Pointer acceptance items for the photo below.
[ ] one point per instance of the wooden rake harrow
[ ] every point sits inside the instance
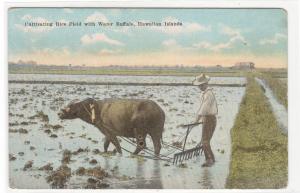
(190, 153)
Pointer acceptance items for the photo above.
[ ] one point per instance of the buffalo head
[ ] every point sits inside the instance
(70, 111)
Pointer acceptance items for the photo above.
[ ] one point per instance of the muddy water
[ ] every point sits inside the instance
(279, 110)
(179, 104)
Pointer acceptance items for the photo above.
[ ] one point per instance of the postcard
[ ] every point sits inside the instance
(147, 98)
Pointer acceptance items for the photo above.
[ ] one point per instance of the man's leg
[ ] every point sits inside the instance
(212, 125)
(207, 133)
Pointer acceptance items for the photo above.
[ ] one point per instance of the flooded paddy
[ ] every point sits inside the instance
(48, 143)
(121, 79)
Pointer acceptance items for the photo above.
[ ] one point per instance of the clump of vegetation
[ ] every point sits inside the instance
(108, 153)
(66, 156)
(80, 150)
(259, 148)
(59, 177)
(95, 184)
(96, 172)
(41, 115)
(47, 167)
(177, 144)
(93, 161)
(21, 130)
(96, 151)
(28, 165)
(53, 135)
(56, 127)
(12, 157)
(32, 148)
(26, 142)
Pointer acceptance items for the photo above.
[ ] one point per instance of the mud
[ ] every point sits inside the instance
(28, 165)
(21, 130)
(59, 177)
(47, 167)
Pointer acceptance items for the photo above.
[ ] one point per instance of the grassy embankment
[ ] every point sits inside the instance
(259, 148)
(140, 72)
(278, 87)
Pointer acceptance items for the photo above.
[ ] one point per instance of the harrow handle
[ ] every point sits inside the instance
(187, 133)
(191, 124)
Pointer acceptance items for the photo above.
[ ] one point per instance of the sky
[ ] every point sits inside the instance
(207, 37)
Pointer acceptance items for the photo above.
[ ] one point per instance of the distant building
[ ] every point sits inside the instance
(244, 66)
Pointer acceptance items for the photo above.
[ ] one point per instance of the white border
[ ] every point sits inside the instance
(291, 6)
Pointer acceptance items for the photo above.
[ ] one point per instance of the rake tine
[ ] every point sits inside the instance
(187, 154)
(175, 159)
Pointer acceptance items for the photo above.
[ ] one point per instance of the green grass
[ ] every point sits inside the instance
(279, 88)
(259, 148)
(141, 72)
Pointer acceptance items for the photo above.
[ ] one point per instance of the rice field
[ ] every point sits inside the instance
(46, 152)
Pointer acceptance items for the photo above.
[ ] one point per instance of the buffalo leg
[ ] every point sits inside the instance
(156, 143)
(114, 140)
(106, 144)
(141, 142)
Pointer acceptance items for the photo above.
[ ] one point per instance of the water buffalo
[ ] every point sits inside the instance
(120, 117)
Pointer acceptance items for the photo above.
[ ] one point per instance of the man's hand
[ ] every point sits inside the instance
(198, 118)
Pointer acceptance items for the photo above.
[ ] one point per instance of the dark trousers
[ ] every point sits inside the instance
(209, 125)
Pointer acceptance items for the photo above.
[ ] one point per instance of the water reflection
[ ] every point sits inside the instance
(148, 181)
(140, 174)
(157, 184)
(206, 179)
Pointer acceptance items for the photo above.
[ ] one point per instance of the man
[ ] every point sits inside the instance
(207, 115)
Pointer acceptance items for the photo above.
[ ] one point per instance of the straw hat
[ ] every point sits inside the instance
(201, 79)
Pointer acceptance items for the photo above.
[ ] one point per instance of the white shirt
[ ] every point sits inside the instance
(208, 103)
